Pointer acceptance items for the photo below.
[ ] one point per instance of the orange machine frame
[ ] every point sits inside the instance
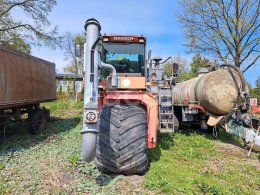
(151, 107)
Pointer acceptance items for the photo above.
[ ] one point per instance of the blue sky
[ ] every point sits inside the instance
(154, 19)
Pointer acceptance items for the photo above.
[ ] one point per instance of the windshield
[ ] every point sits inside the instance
(125, 57)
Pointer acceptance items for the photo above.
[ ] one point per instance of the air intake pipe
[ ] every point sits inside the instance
(111, 68)
(90, 115)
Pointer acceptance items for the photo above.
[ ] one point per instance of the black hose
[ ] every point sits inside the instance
(243, 89)
(239, 73)
(92, 63)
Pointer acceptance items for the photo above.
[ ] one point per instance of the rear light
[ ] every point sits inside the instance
(105, 39)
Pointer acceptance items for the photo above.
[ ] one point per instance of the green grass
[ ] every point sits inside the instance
(49, 163)
(184, 163)
(188, 163)
(178, 164)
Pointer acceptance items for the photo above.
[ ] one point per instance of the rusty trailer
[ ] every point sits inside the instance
(25, 81)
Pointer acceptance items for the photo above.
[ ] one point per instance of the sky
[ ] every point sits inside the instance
(156, 20)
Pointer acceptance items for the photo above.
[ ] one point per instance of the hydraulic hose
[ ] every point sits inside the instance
(243, 81)
(92, 63)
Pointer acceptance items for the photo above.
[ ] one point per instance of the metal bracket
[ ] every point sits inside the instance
(186, 117)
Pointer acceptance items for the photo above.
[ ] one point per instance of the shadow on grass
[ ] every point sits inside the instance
(104, 179)
(164, 141)
(15, 137)
(224, 137)
(220, 135)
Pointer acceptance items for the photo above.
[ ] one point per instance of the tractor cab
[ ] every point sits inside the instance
(125, 53)
(127, 56)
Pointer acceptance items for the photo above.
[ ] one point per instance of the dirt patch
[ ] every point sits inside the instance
(49, 139)
(55, 178)
(231, 154)
(132, 185)
(230, 150)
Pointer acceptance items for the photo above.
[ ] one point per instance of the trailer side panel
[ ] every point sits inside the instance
(25, 79)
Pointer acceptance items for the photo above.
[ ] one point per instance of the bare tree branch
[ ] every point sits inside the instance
(252, 63)
(224, 28)
(75, 64)
(37, 31)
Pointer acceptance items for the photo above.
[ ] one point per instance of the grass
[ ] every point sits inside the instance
(178, 161)
(187, 162)
(49, 163)
(190, 163)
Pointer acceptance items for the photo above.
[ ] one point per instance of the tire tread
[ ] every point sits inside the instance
(121, 145)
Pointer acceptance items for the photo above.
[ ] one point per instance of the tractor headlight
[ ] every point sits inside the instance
(141, 40)
(126, 82)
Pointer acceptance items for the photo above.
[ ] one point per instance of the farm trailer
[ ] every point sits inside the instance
(25, 82)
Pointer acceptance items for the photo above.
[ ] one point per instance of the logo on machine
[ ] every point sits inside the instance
(91, 116)
(123, 38)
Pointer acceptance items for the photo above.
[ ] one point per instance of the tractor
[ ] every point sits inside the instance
(128, 99)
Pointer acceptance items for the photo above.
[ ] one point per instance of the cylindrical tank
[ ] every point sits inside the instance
(216, 91)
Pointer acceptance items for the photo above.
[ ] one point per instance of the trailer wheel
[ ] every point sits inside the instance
(121, 144)
(37, 121)
(48, 115)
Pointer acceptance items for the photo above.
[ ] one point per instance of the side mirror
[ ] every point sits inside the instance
(78, 50)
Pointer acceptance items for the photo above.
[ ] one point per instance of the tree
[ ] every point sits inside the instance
(187, 71)
(255, 91)
(35, 30)
(183, 73)
(198, 62)
(15, 42)
(228, 29)
(75, 64)
(258, 82)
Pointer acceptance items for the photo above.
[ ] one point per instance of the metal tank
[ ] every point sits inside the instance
(217, 91)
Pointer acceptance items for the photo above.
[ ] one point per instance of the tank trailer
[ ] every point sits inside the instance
(128, 98)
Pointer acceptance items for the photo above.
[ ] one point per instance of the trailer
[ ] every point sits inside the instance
(25, 82)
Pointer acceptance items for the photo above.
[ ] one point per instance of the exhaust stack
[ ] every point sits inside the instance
(90, 115)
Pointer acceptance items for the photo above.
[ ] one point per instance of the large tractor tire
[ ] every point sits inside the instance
(121, 144)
